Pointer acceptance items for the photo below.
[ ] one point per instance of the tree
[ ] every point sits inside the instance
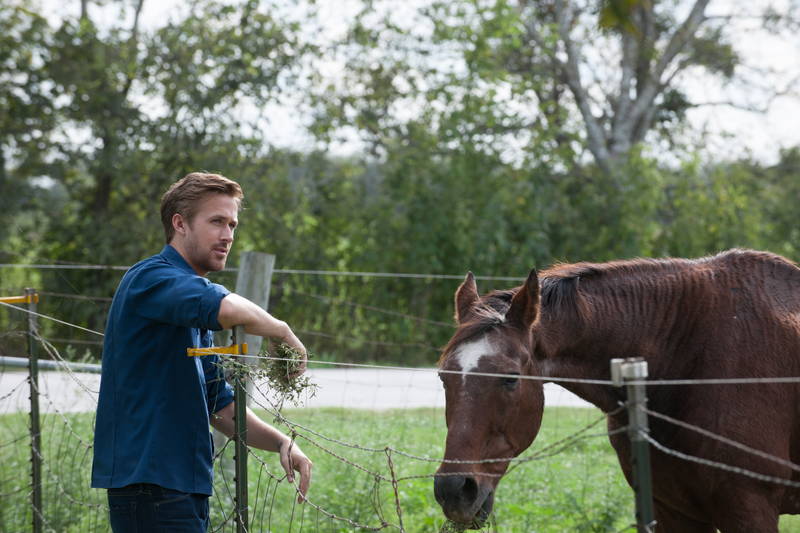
(26, 120)
(606, 75)
(652, 47)
(779, 201)
(139, 108)
(143, 108)
(114, 114)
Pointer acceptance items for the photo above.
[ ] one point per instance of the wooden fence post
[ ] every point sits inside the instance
(631, 373)
(253, 282)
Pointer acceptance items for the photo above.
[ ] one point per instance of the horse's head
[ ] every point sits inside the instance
(488, 417)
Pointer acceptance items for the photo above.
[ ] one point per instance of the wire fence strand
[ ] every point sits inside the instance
(387, 477)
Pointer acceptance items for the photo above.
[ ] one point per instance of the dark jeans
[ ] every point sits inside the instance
(145, 508)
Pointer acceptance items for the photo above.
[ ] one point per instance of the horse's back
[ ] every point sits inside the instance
(735, 315)
(757, 319)
(770, 280)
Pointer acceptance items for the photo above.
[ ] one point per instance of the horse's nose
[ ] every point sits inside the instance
(452, 489)
(458, 496)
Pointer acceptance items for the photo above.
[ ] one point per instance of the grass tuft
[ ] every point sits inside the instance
(281, 370)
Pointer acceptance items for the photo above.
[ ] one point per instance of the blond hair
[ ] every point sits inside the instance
(185, 195)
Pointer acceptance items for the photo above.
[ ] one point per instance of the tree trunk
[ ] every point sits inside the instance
(643, 78)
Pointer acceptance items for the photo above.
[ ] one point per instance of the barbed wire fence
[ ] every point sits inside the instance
(46, 444)
(373, 480)
(371, 477)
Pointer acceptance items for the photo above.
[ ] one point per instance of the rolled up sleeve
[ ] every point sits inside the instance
(164, 295)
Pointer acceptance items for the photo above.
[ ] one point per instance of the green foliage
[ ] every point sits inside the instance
(713, 209)
(475, 159)
(618, 14)
(776, 204)
(710, 50)
(26, 119)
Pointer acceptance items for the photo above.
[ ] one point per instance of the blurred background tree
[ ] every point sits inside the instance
(485, 135)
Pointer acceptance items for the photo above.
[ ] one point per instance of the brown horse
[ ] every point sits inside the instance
(734, 315)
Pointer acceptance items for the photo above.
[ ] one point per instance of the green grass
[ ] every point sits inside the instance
(579, 489)
(69, 504)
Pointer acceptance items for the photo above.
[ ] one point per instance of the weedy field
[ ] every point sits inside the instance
(372, 470)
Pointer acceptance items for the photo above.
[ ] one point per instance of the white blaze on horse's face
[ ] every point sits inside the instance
(469, 354)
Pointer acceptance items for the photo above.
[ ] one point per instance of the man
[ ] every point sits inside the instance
(153, 449)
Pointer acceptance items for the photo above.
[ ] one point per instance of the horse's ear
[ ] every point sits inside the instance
(525, 304)
(466, 296)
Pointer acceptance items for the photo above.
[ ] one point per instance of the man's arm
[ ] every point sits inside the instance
(265, 437)
(234, 310)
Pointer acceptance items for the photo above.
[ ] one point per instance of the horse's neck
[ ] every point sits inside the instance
(585, 353)
(604, 397)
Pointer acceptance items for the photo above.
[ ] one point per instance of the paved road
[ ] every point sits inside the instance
(363, 388)
(388, 389)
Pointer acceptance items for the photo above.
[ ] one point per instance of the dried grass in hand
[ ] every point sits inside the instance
(281, 370)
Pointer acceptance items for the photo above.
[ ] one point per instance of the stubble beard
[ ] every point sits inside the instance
(204, 259)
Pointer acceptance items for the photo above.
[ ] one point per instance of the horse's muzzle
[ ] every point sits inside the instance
(463, 500)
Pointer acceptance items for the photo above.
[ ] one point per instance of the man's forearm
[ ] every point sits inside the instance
(259, 434)
(262, 435)
(235, 310)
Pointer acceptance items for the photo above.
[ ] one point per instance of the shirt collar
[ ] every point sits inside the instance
(174, 258)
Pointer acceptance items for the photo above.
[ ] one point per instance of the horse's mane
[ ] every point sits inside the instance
(560, 285)
(561, 295)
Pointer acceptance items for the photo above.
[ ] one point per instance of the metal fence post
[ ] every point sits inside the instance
(32, 297)
(630, 373)
(240, 439)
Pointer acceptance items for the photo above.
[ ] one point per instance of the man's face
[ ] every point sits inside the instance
(209, 236)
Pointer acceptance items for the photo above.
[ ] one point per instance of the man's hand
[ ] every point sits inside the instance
(234, 310)
(293, 458)
(293, 342)
(266, 437)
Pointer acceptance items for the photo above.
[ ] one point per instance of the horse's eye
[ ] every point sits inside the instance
(511, 381)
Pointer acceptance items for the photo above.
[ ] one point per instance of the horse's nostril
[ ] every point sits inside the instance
(447, 488)
(470, 489)
(455, 489)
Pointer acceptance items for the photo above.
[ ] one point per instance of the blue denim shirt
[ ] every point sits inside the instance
(152, 421)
